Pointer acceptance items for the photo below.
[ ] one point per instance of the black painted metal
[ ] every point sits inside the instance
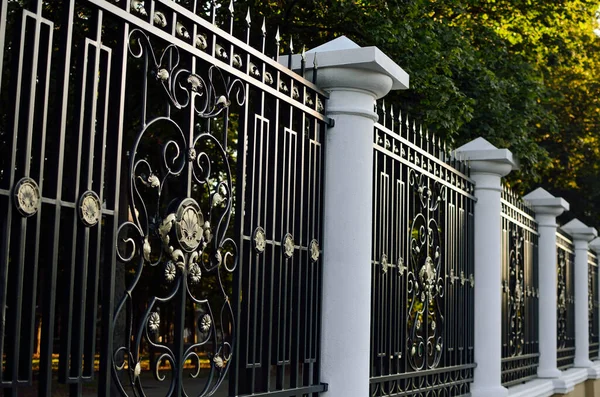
(161, 197)
(566, 301)
(422, 323)
(520, 290)
(593, 305)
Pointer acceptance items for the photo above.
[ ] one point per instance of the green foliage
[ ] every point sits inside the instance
(521, 73)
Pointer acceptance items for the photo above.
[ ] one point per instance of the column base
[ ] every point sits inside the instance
(549, 373)
(584, 363)
(491, 391)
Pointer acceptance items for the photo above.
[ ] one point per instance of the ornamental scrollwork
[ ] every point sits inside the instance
(180, 200)
(425, 278)
(563, 299)
(181, 84)
(515, 287)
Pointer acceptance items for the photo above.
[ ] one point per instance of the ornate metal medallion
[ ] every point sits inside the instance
(27, 197)
(288, 245)
(189, 223)
(89, 208)
(314, 250)
(260, 240)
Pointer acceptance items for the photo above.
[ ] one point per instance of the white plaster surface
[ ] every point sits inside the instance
(343, 53)
(488, 165)
(582, 235)
(346, 307)
(547, 208)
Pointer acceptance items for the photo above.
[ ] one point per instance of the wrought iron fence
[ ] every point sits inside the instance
(520, 290)
(422, 264)
(593, 305)
(160, 185)
(566, 301)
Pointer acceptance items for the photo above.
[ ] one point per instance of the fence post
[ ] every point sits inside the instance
(488, 165)
(582, 235)
(354, 77)
(595, 246)
(547, 208)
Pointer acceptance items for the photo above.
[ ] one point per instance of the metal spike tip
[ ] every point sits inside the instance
(264, 27)
(303, 54)
(392, 111)
(315, 64)
(383, 105)
(291, 45)
(231, 7)
(277, 36)
(248, 20)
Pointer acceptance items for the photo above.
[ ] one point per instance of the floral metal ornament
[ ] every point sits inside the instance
(170, 272)
(160, 19)
(315, 251)
(201, 42)
(27, 197)
(516, 295)
(384, 263)
(260, 240)
(138, 6)
(205, 323)
(424, 278)
(189, 223)
(177, 231)
(154, 322)
(89, 208)
(288, 245)
(195, 273)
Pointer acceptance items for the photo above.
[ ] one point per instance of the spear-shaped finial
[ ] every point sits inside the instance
(248, 20)
(392, 115)
(315, 68)
(231, 17)
(213, 10)
(303, 61)
(263, 29)
(277, 43)
(291, 53)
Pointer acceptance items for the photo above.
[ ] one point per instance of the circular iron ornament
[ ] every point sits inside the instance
(27, 196)
(260, 240)
(288, 245)
(189, 223)
(315, 251)
(89, 208)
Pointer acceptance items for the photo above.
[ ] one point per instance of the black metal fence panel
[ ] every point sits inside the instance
(593, 305)
(565, 268)
(161, 197)
(422, 325)
(520, 290)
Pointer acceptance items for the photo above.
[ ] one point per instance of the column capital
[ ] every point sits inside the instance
(486, 158)
(341, 63)
(544, 203)
(579, 231)
(595, 245)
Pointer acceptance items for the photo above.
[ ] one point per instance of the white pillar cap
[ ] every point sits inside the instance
(487, 158)
(343, 55)
(545, 203)
(595, 245)
(580, 231)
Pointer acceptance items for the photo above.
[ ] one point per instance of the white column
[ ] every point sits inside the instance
(595, 245)
(488, 165)
(582, 235)
(354, 77)
(547, 208)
